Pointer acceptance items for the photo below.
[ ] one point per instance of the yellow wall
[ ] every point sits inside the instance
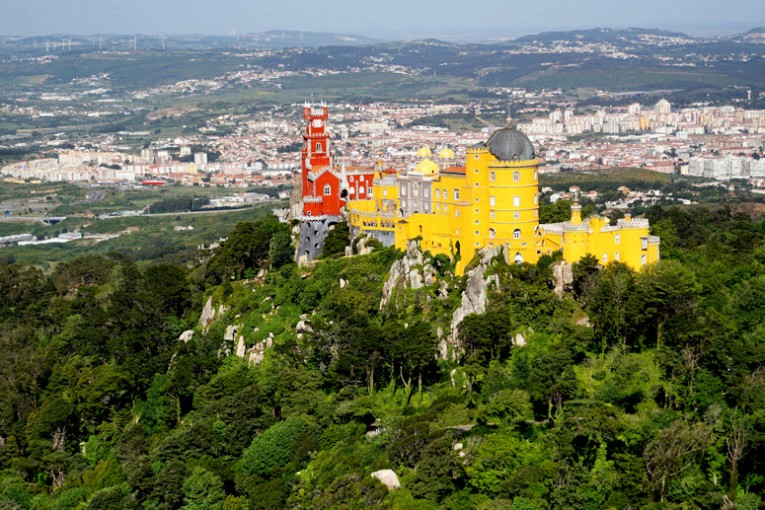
(496, 199)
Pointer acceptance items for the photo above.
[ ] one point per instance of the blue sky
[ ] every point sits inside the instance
(466, 19)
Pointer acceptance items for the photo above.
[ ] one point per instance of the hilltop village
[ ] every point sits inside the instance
(491, 201)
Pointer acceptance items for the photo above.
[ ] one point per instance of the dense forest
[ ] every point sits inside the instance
(247, 382)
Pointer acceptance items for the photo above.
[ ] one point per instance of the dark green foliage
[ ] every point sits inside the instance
(632, 390)
(275, 447)
(264, 244)
(337, 240)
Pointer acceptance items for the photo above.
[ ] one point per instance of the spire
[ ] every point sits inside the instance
(576, 210)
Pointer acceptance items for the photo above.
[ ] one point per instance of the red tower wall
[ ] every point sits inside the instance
(317, 161)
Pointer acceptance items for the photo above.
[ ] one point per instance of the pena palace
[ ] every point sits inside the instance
(454, 208)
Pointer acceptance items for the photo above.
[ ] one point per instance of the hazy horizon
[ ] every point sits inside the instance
(397, 19)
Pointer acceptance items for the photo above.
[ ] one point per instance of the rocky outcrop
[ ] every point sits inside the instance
(474, 300)
(364, 246)
(186, 336)
(234, 335)
(563, 276)
(253, 355)
(303, 326)
(210, 313)
(241, 348)
(257, 352)
(413, 271)
(388, 478)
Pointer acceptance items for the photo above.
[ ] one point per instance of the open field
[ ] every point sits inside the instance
(143, 238)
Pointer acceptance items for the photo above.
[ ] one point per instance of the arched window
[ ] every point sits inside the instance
(318, 146)
(616, 256)
(492, 176)
(516, 176)
(536, 199)
(362, 190)
(327, 189)
(643, 259)
(353, 190)
(516, 201)
(517, 233)
(456, 194)
(438, 193)
(617, 238)
(492, 233)
(605, 258)
(492, 201)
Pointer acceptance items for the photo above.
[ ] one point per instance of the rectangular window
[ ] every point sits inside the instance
(456, 194)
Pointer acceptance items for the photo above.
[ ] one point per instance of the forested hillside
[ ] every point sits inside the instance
(247, 382)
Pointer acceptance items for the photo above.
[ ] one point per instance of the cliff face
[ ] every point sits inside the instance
(474, 300)
(415, 272)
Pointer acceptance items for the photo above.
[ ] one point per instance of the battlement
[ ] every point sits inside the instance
(315, 112)
(633, 223)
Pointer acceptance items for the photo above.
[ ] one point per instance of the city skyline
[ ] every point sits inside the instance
(397, 19)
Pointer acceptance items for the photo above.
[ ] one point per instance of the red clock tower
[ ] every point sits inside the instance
(321, 184)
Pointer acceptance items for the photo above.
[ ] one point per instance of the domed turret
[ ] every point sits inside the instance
(508, 144)
(427, 167)
(424, 152)
(446, 154)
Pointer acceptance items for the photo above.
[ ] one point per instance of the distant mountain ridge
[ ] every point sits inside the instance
(297, 38)
(283, 39)
(618, 36)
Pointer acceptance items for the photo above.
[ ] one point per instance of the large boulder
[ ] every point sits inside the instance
(388, 478)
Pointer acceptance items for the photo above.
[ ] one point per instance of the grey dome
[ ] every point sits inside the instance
(508, 144)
